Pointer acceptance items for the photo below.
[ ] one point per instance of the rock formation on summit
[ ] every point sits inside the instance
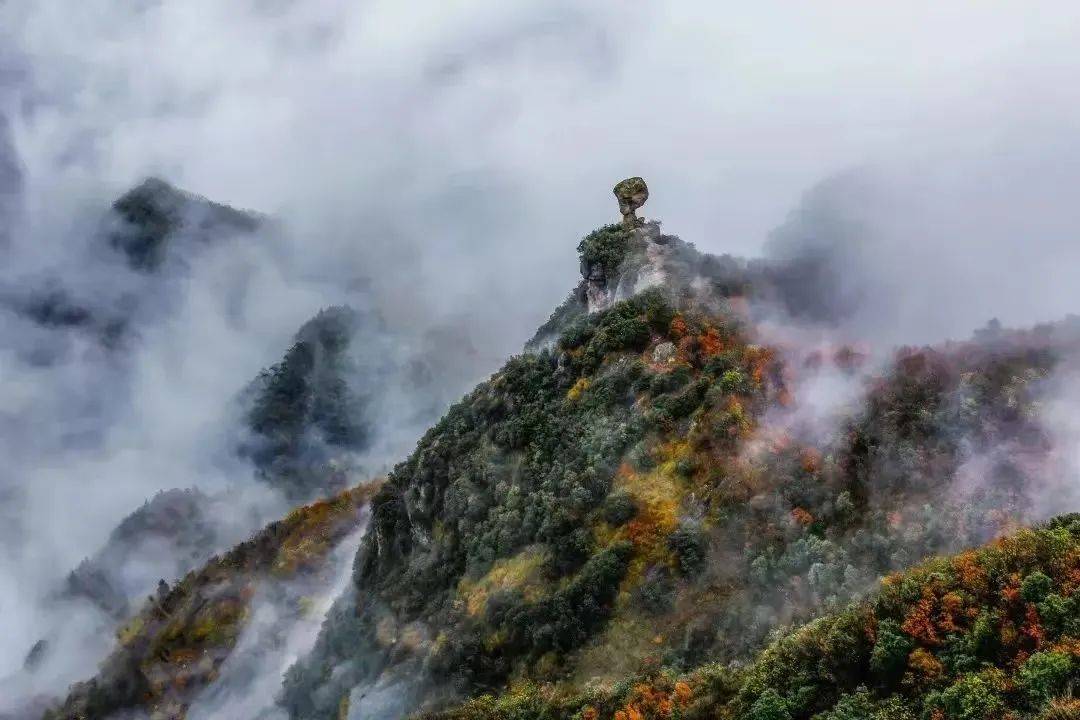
(631, 194)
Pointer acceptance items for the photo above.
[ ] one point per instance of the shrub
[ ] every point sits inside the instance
(689, 546)
(890, 654)
(606, 247)
(732, 381)
(1044, 675)
(1036, 587)
(972, 697)
(657, 594)
(620, 508)
(769, 706)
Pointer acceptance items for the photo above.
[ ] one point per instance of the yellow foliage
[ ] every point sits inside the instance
(922, 662)
(131, 630)
(579, 387)
(311, 529)
(520, 572)
(619, 650)
(657, 495)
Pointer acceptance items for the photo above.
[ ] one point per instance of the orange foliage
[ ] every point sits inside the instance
(1068, 645)
(759, 359)
(1032, 628)
(644, 531)
(893, 579)
(919, 622)
(810, 460)
(1072, 575)
(970, 572)
(951, 606)
(590, 713)
(687, 349)
(711, 343)
(677, 329)
(1011, 592)
(802, 517)
(683, 693)
(923, 662)
(655, 699)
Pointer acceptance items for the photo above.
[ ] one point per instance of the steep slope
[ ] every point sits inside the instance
(988, 634)
(645, 484)
(642, 484)
(655, 480)
(307, 423)
(305, 412)
(176, 644)
(482, 559)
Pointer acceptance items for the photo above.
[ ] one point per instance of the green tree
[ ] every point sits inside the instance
(890, 654)
(1044, 675)
(1036, 587)
(769, 706)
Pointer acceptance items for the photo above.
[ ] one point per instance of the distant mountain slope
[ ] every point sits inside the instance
(149, 225)
(309, 411)
(155, 215)
(174, 526)
(991, 633)
(176, 644)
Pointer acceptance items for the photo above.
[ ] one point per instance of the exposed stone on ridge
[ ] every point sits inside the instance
(631, 194)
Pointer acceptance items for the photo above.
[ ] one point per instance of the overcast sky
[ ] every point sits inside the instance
(474, 142)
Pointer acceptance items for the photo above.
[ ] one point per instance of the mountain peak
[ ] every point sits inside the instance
(154, 212)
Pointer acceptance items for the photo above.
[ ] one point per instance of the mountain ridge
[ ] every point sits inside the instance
(652, 481)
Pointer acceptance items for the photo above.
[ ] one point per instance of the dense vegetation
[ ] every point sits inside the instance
(605, 248)
(988, 634)
(654, 440)
(303, 410)
(504, 529)
(619, 519)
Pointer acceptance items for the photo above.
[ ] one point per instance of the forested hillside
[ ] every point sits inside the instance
(992, 632)
(619, 519)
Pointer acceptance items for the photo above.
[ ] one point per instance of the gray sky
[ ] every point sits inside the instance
(474, 142)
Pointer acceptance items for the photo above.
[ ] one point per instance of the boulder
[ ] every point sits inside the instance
(631, 194)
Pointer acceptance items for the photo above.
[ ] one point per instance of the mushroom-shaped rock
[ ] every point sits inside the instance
(631, 194)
